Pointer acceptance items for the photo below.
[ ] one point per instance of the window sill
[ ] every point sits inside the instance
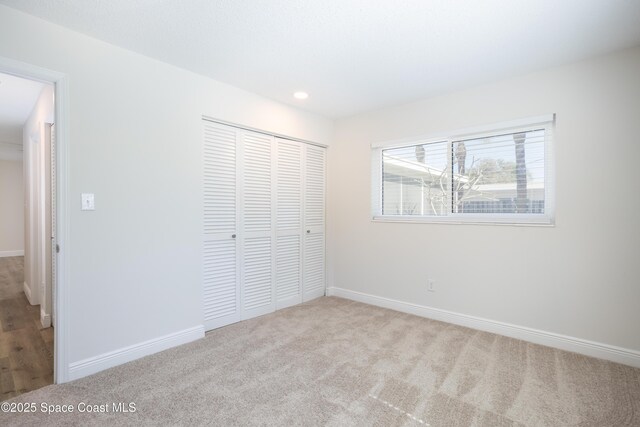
(520, 221)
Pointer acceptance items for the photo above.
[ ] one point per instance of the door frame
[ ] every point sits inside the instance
(61, 119)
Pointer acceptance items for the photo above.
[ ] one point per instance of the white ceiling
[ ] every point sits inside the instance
(353, 55)
(18, 96)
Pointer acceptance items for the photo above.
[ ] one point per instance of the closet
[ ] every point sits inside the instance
(264, 236)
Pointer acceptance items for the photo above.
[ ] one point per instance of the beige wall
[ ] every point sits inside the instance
(11, 208)
(579, 278)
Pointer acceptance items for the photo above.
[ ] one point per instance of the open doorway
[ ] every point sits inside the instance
(27, 246)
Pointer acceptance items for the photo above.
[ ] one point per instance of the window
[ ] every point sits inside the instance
(496, 174)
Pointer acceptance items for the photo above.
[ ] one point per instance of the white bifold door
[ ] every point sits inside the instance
(313, 250)
(221, 265)
(256, 232)
(289, 223)
(263, 223)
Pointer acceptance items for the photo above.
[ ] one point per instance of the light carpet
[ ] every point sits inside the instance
(341, 363)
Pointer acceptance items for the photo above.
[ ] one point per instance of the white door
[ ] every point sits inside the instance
(54, 243)
(221, 279)
(314, 233)
(257, 235)
(263, 224)
(288, 223)
(47, 231)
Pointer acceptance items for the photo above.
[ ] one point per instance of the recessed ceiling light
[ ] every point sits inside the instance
(301, 95)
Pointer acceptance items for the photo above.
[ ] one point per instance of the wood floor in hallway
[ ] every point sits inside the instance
(26, 349)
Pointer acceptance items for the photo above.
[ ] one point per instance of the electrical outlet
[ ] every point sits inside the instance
(431, 286)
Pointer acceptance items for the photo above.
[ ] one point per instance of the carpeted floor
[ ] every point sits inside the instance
(341, 363)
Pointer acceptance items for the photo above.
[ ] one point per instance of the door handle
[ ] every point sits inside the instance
(308, 231)
(233, 236)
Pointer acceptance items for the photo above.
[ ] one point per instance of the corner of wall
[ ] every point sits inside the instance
(31, 296)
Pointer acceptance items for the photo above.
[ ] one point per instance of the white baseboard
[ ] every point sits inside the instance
(550, 339)
(45, 318)
(31, 297)
(104, 361)
(4, 254)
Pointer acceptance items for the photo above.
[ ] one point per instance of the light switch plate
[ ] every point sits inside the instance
(88, 202)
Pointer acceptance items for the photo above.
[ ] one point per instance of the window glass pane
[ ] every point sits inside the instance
(499, 174)
(416, 180)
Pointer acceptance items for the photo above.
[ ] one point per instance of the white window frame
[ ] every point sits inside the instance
(546, 122)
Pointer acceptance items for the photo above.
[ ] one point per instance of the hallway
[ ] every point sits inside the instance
(26, 350)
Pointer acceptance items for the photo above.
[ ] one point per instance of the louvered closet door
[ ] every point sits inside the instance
(221, 280)
(314, 235)
(288, 223)
(258, 270)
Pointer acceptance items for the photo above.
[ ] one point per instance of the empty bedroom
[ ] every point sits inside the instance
(341, 213)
